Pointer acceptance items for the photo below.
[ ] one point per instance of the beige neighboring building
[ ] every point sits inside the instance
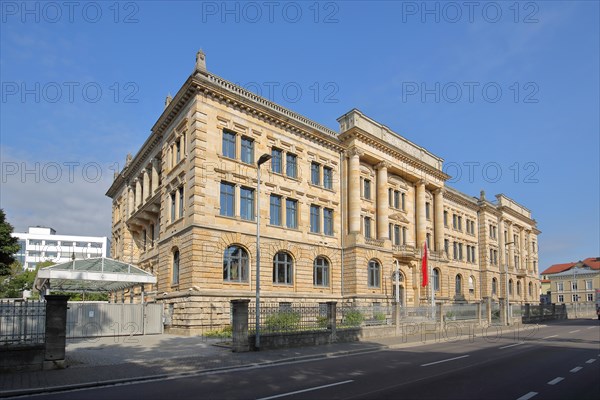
(339, 210)
(575, 282)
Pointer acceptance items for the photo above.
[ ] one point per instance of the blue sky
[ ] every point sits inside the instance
(506, 92)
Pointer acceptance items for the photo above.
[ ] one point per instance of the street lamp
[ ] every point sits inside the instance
(263, 159)
(506, 284)
(574, 297)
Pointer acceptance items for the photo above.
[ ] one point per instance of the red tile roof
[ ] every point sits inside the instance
(592, 262)
(553, 269)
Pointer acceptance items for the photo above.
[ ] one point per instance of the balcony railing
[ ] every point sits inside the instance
(374, 242)
(405, 251)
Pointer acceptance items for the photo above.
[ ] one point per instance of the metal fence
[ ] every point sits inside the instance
(460, 311)
(22, 322)
(372, 315)
(582, 309)
(288, 317)
(417, 314)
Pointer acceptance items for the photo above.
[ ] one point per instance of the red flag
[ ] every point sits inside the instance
(424, 266)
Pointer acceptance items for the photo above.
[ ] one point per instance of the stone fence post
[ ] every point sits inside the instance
(240, 325)
(331, 320)
(56, 331)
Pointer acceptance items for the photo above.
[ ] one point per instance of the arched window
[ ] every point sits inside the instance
(374, 271)
(175, 270)
(283, 267)
(436, 279)
(321, 272)
(458, 285)
(471, 285)
(518, 288)
(510, 287)
(494, 286)
(235, 264)
(530, 289)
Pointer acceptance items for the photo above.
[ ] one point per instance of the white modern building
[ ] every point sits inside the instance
(43, 244)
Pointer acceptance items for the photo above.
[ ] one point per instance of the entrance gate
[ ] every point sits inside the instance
(89, 319)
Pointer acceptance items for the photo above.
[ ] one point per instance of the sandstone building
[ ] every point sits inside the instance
(339, 212)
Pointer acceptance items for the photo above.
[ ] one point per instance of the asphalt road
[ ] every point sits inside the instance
(560, 361)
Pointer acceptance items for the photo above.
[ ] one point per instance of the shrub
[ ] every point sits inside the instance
(225, 332)
(379, 317)
(353, 318)
(322, 322)
(284, 321)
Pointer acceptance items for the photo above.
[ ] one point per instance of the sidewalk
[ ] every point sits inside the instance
(109, 360)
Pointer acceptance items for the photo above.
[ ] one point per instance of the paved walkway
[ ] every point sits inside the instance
(107, 360)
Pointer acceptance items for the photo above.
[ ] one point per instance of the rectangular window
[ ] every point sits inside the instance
(181, 202)
(454, 221)
(275, 210)
(460, 251)
(460, 223)
(228, 144)
(315, 173)
(455, 248)
(590, 297)
(427, 211)
(447, 247)
(573, 285)
(367, 227)
(468, 253)
(247, 150)
(315, 219)
(51, 243)
(446, 218)
(177, 152)
(396, 235)
(173, 203)
(404, 235)
(428, 240)
(247, 203)
(403, 202)
(588, 285)
(276, 160)
(575, 297)
(327, 178)
(291, 213)
(227, 199)
(291, 167)
(561, 298)
(328, 221)
(396, 199)
(367, 189)
(560, 286)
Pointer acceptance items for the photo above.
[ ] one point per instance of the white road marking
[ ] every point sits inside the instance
(548, 337)
(512, 345)
(591, 360)
(527, 396)
(576, 369)
(306, 390)
(555, 380)
(576, 330)
(443, 361)
(591, 327)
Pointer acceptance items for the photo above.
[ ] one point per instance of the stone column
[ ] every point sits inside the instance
(502, 249)
(56, 331)
(420, 211)
(138, 192)
(155, 177)
(438, 222)
(130, 199)
(240, 341)
(145, 185)
(511, 247)
(354, 190)
(382, 201)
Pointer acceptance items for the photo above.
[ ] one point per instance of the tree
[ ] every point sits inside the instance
(9, 245)
(12, 286)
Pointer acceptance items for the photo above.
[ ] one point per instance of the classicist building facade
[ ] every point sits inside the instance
(339, 212)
